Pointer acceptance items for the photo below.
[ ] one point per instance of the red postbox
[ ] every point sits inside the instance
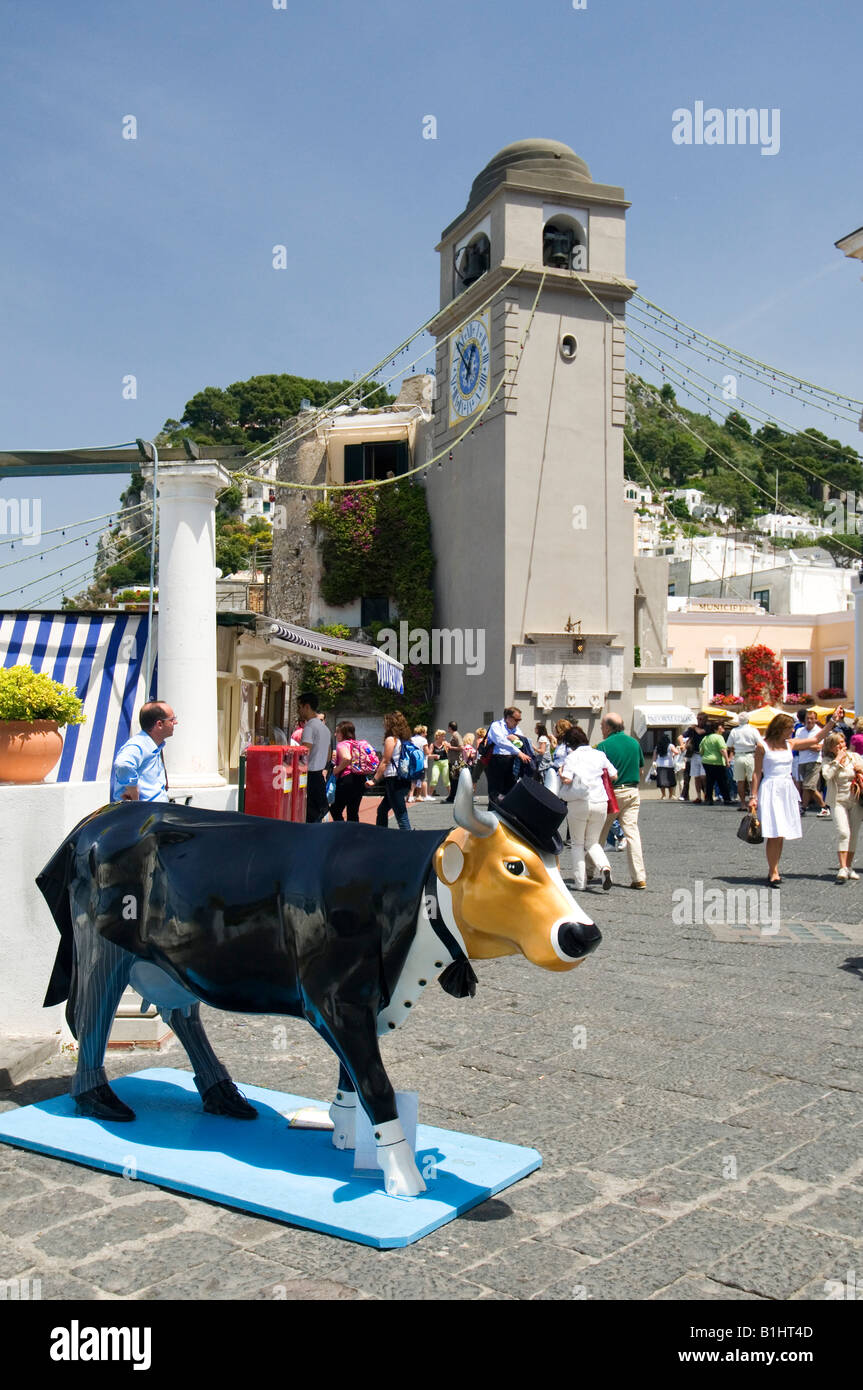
(276, 780)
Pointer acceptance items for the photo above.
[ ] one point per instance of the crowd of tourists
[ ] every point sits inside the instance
(799, 765)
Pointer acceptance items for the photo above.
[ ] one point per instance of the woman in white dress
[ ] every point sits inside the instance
(583, 790)
(774, 798)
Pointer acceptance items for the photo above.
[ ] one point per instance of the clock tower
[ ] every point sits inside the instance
(533, 537)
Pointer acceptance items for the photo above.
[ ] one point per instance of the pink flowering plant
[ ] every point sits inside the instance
(378, 541)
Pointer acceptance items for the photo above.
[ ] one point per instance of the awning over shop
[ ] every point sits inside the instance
(100, 654)
(319, 646)
(660, 716)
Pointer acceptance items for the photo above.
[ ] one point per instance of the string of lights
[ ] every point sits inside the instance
(693, 371)
(377, 483)
(765, 367)
(674, 372)
(98, 571)
(289, 436)
(675, 522)
(72, 525)
(274, 446)
(664, 405)
(74, 564)
(73, 540)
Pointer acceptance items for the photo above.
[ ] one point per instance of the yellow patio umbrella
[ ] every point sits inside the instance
(760, 718)
(822, 712)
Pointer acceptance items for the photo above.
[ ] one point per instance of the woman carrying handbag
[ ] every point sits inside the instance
(774, 798)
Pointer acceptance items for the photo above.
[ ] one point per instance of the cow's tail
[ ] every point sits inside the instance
(53, 883)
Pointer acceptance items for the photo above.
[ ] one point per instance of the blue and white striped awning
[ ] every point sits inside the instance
(102, 656)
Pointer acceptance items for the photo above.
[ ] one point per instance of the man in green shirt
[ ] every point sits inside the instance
(627, 756)
(714, 755)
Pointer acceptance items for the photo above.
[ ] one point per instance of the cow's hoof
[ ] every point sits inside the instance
(224, 1099)
(344, 1118)
(102, 1104)
(401, 1175)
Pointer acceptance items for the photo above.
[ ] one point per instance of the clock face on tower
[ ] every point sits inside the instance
(469, 369)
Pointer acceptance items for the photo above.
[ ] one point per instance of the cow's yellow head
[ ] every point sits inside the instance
(508, 895)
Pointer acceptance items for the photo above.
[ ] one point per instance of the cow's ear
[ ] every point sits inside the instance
(448, 862)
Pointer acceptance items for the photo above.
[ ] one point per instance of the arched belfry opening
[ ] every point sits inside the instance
(564, 243)
(472, 261)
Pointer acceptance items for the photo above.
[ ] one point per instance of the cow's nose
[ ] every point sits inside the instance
(577, 939)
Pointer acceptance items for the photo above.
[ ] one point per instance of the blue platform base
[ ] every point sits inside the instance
(265, 1167)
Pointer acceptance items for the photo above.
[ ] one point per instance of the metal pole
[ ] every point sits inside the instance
(149, 658)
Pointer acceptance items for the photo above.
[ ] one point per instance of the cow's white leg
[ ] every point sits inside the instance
(343, 1113)
(401, 1175)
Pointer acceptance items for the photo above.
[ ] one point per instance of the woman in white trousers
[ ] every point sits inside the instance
(583, 790)
(842, 770)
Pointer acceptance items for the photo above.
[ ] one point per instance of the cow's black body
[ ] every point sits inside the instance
(250, 915)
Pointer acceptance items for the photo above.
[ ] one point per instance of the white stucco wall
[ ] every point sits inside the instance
(33, 822)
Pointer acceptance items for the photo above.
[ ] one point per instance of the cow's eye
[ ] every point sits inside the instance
(513, 866)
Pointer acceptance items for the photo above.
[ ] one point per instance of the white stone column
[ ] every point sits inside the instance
(187, 618)
(857, 591)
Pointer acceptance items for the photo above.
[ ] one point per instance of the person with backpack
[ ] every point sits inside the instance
(394, 770)
(355, 761)
(420, 786)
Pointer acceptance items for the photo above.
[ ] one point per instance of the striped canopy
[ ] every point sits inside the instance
(319, 646)
(102, 656)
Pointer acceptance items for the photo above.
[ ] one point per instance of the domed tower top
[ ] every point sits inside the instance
(552, 164)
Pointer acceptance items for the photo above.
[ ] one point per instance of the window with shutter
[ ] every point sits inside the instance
(354, 463)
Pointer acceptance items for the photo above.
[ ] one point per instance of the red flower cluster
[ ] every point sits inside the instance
(761, 676)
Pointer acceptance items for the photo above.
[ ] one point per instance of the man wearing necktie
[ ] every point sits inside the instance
(139, 767)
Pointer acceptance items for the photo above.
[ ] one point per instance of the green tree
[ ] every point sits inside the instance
(684, 461)
(731, 490)
(737, 425)
(254, 411)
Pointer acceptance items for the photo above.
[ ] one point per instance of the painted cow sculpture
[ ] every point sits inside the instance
(339, 924)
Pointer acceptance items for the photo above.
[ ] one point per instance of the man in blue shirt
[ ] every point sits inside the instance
(139, 767)
(505, 744)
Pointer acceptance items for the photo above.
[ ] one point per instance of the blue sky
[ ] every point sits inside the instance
(258, 126)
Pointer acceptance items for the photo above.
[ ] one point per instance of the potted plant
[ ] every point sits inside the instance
(33, 709)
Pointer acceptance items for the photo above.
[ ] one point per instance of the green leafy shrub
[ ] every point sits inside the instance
(330, 681)
(380, 543)
(28, 695)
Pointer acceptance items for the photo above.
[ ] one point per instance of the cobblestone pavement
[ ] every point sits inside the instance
(695, 1089)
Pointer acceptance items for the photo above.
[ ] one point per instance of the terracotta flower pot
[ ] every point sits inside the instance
(28, 750)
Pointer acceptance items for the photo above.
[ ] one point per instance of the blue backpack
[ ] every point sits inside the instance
(411, 763)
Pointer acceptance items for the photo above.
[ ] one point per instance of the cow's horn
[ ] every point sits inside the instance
(552, 781)
(479, 823)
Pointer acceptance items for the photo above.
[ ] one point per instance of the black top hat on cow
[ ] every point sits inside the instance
(535, 814)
